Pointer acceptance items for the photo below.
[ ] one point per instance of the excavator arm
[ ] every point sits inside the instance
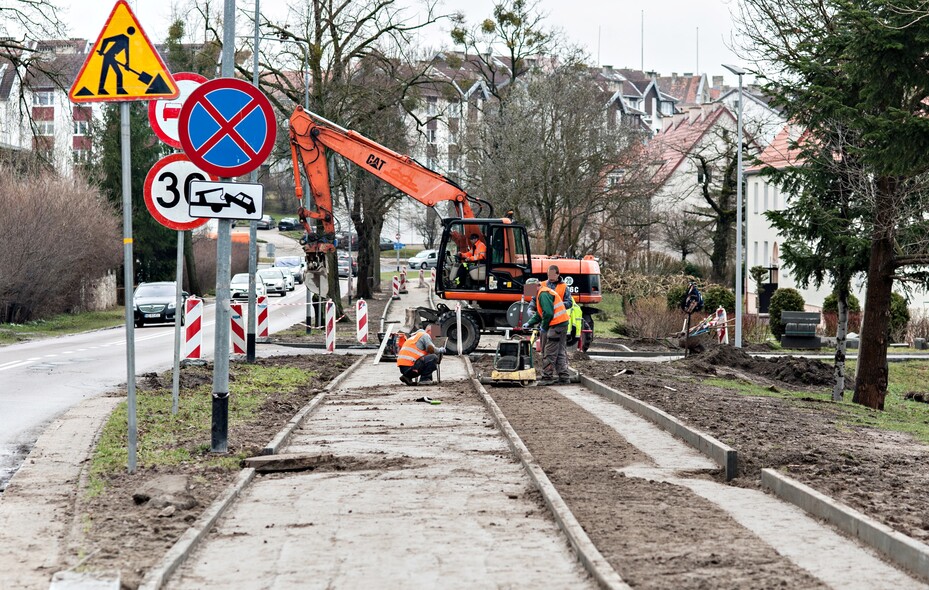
(310, 137)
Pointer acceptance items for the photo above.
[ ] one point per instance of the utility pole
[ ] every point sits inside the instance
(253, 229)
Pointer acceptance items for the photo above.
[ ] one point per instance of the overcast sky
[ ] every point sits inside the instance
(670, 28)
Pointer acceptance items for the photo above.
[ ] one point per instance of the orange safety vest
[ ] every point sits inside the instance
(409, 354)
(561, 314)
(477, 253)
(560, 288)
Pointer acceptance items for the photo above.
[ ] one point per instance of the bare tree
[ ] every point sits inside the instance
(683, 233)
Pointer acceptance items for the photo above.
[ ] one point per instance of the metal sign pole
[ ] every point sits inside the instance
(128, 274)
(252, 230)
(178, 314)
(219, 431)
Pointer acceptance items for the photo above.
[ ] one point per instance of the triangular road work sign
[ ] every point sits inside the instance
(123, 64)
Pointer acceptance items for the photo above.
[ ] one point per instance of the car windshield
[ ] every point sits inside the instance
(156, 291)
(294, 261)
(239, 279)
(271, 273)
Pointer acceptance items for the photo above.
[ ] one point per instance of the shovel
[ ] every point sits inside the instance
(142, 76)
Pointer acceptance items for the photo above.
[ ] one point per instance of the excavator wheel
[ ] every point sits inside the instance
(470, 332)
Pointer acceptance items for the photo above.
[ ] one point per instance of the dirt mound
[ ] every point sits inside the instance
(787, 369)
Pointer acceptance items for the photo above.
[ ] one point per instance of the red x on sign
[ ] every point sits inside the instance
(227, 127)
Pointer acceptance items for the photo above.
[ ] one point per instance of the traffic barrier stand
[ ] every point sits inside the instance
(458, 324)
(422, 278)
(261, 306)
(586, 335)
(395, 288)
(237, 319)
(722, 320)
(361, 320)
(432, 275)
(403, 290)
(330, 326)
(193, 324)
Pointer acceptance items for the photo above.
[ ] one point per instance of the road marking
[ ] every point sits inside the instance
(15, 365)
(35, 358)
(50, 355)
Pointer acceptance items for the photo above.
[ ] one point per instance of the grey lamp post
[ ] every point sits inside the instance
(738, 223)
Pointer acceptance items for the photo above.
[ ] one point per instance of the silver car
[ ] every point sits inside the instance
(238, 287)
(295, 264)
(274, 280)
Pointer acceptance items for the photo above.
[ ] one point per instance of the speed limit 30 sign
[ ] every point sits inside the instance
(167, 196)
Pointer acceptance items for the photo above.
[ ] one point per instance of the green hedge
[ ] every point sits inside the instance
(783, 300)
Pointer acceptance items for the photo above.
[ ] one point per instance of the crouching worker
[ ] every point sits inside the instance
(418, 358)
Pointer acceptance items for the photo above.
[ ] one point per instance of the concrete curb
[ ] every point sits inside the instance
(183, 547)
(900, 549)
(587, 553)
(284, 435)
(384, 314)
(724, 455)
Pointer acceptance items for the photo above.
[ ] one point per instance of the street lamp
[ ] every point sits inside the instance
(738, 227)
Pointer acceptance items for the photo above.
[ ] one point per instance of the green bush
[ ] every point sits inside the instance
(831, 303)
(718, 296)
(783, 300)
(675, 295)
(899, 317)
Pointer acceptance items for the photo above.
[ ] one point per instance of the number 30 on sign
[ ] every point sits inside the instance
(167, 192)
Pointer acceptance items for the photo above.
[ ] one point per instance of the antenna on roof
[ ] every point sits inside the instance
(598, 45)
(642, 53)
(698, 51)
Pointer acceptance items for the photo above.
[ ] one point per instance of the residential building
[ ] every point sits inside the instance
(759, 118)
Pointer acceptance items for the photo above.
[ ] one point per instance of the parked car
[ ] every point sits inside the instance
(344, 260)
(386, 244)
(289, 224)
(295, 264)
(266, 222)
(342, 238)
(156, 302)
(274, 280)
(289, 279)
(425, 260)
(238, 287)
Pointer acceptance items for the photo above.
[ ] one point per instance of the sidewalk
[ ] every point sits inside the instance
(418, 496)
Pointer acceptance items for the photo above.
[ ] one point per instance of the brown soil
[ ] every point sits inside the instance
(878, 472)
(345, 330)
(657, 534)
(131, 538)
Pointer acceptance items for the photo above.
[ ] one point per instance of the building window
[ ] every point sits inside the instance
(765, 250)
(43, 98)
(774, 197)
(81, 127)
(430, 105)
(756, 198)
(765, 197)
(45, 128)
(454, 109)
(430, 135)
(756, 255)
(81, 156)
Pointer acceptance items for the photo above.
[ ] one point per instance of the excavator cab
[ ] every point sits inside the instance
(485, 260)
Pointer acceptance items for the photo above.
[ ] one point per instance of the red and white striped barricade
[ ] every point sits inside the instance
(193, 327)
(361, 321)
(237, 328)
(422, 278)
(263, 320)
(330, 326)
(458, 324)
(722, 327)
(432, 276)
(395, 288)
(403, 290)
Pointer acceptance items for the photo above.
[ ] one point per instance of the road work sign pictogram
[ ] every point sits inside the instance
(164, 114)
(226, 200)
(167, 191)
(123, 64)
(227, 127)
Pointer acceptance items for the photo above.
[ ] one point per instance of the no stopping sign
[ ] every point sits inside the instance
(166, 192)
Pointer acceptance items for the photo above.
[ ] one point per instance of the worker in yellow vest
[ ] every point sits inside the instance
(418, 358)
(552, 317)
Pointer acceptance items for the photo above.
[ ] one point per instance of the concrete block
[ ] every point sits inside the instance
(68, 580)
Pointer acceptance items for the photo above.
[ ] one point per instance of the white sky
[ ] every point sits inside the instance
(670, 27)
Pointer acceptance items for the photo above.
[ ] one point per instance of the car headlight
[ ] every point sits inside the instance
(172, 305)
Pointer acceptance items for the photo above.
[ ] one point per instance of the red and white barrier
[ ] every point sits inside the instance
(395, 288)
(263, 318)
(722, 329)
(330, 326)
(422, 278)
(361, 321)
(432, 273)
(193, 328)
(403, 290)
(458, 323)
(237, 328)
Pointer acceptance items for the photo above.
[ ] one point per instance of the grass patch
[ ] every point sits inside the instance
(611, 315)
(61, 324)
(899, 415)
(166, 439)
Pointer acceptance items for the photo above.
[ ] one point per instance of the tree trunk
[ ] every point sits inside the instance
(838, 389)
(722, 243)
(190, 265)
(871, 379)
(335, 291)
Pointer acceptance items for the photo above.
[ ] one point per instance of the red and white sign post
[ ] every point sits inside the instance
(395, 288)
(361, 320)
(237, 328)
(722, 327)
(193, 330)
(263, 318)
(330, 326)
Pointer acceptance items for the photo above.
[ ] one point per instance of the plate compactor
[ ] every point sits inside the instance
(513, 362)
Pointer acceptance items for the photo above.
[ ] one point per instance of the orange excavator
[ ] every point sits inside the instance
(483, 261)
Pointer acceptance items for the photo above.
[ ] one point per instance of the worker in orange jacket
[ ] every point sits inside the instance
(552, 317)
(476, 254)
(418, 357)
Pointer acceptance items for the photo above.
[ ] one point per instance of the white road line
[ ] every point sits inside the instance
(15, 365)
(48, 356)
(35, 358)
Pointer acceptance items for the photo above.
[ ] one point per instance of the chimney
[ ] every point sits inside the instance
(688, 74)
(694, 113)
(717, 81)
(673, 75)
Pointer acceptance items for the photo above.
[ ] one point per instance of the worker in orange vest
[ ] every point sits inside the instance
(418, 358)
(552, 317)
(476, 254)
